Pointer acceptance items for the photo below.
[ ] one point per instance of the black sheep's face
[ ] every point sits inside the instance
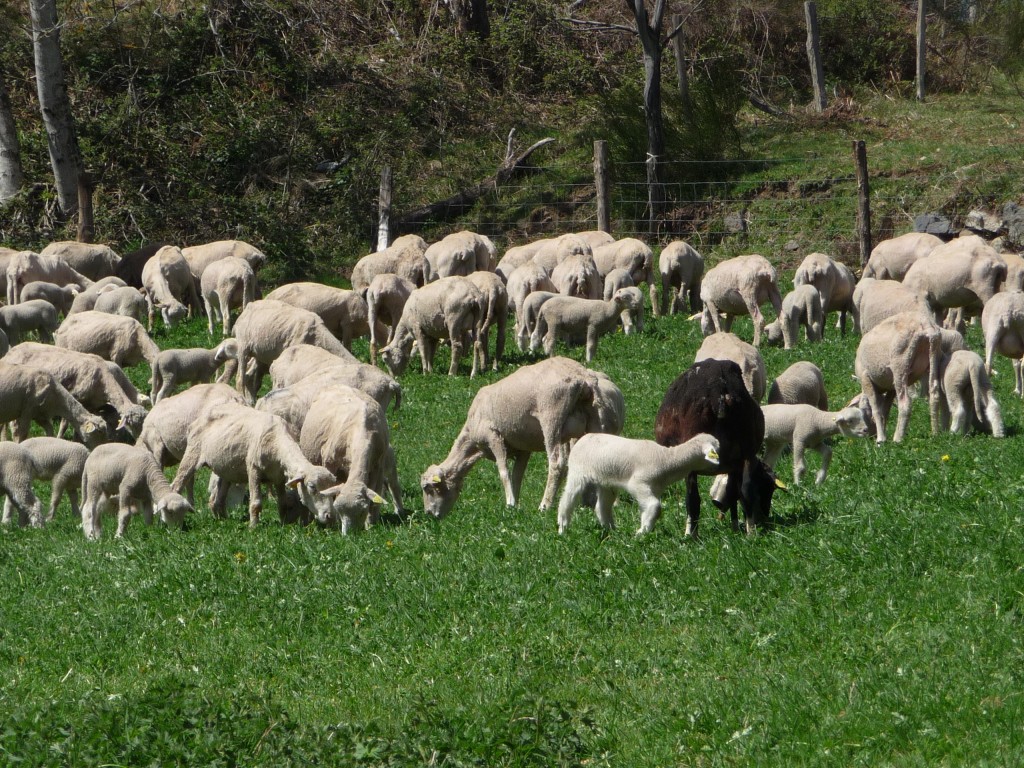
(758, 488)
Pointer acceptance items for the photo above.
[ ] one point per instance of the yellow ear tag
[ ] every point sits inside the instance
(713, 454)
(435, 478)
(376, 499)
(780, 484)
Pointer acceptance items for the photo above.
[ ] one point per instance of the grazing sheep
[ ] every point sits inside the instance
(197, 365)
(568, 317)
(632, 316)
(385, 300)
(305, 369)
(61, 296)
(682, 269)
(347, 432)
(890, 358)
(199, 257)
(165, 431)
(37, 315)
(93, 260)
(87, 377)
(577, 275)
(617, 278)
(522, 282)
(122, 340)
(344, 312)
(636, 257)
(28, 394)
(16, 474)
(495, 314)
(606, 464)
(266, 327)
(801, 306)
(25, 267)
(85, 301)
(168, 283)
(404, 257)
(965, 272)
(539, 407)
(226, 284)
(711, 397)
(806, 427)
(59, 461)
(875, 300)
(455, 254)
(969, 398)
(802, 382)
(729, 346)
(739, 286)
(1014, 271)
(450, 308)
(129, 477)
(890, 259)
(125, 301)
(516, 257)
(243, 446)
(834, 282)
(531, 314)
(1002, 322)
(554, 251)
(129, 269)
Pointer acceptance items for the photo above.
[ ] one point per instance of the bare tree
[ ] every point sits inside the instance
(11, 177)
(65, 157)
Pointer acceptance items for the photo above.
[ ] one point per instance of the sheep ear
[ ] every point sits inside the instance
(695, 317)
(333, 491)
(376, 497)
(88, 428)
(711, 455)
(122, 423)
(294, 482)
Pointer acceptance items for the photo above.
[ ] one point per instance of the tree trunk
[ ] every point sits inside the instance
(11, 177)
(55, 105)
(649, 31)
(471, 16)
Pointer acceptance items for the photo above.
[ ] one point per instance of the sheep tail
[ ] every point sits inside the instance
(979, 387)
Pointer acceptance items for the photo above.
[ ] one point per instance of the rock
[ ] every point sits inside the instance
(1013, 220)
(983, 223)
(792, 245)
(736, 222)
(1000, 245)
(934, 224)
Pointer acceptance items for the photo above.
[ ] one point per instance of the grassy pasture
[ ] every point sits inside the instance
(878, 623)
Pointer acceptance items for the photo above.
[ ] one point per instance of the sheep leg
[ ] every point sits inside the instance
(255, 499)
(496, 445)
(1018, 378)
(903, 405)
(91, 519)
(208, 305)
(124, 511)
(826, 458)
(391, 479)
(603, 508)
(499, 342)
(574, 488)
(218, 490)
(7, 511)
(879, 407)
(186, 477)
(692, 505)
(550, 337)
(556, 472)
(758, 319)
(591, 342)
(519, 461)
(772, 452)
(799, 465)
(650, 508)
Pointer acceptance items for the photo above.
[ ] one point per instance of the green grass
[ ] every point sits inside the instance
(879, 622)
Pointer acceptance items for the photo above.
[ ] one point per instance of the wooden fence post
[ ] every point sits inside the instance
(86, 221)
(679, 49)
(601, 185)
(860, 157)
(814, 55)
(384, 208)
(920, 49)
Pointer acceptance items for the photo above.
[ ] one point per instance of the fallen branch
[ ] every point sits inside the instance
(460, 203)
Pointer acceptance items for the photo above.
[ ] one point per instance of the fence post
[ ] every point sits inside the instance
(920, 49)
(601, 185)
(679, 49)
(384, 208)
(86, 222)
(860, 157)
(814, 55)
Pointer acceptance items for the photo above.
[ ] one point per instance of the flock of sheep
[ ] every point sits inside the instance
(320, 441)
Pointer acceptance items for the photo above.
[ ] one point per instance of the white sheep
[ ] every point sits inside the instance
(454, 254)
(345, 313)
(530, 315)
(126, 301)
(554, 251)
(85, 300)
(59, 461)
(890, 259)
(969, 398)
(197, 365)
(130, 478)
(682, 269)
(30, 394)
(25, 266)
(404, 257)
(266, 327)
(169, 286)
(964, 273)
(801, 306)
(35, 315)
(495, 315)
(226, 284)
(449, 308)
(739, 286)
(305, 370)
(1002, 322)
(806, 427)
(516, 257)
(16, 475)
(122, 340)
(243, 446)
(875, 300)
(164, 432)
(607, 464)
(632, 315)
(89, 379)
(577, 275)
(199, 257)
(802, 382)
(385, 300)
(1014, 271)
(521, 283)
(539, 407)
(93, 260)
(61, 296)
(834, 282)
(568, 317)
(617, 278)
(636, 257)
(729, 346)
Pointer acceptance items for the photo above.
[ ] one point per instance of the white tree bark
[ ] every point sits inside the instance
(11, 177)
(55, 105)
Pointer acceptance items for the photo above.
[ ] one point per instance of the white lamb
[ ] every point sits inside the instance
(61, 296)
(165, 431)
(632, 317)
(607, 464)
(802, 382)
(129, 478)
(801, 306)
(449, 308)
(568, 317)
(1002, 322)
(226, 284)
(16, 475)
(834, 282)
(345, 313)
(739, 286)
(523, 282)
(59, 461)
(617, 278)
(126, 301)
(85, 300)
(890, 259)
(729, 346)
(404, 257)
(385, 300)
(969, 399)
(122, 340)
(636, 257)
(806, 427)
(516, 257)
(197, 365)
(168, 283)
(29, 394)
(875, 300)
(454, 254)
(577, 275)
(495, 315)
(36, 315)
(682, 269)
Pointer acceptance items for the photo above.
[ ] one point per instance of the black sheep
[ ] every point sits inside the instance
(130, 267)
(710, 397)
